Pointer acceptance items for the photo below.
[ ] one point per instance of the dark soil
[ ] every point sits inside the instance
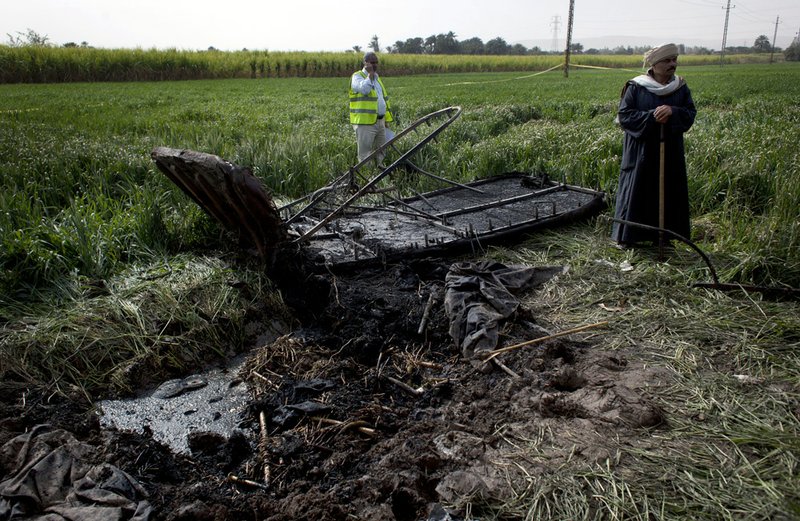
(358, 415)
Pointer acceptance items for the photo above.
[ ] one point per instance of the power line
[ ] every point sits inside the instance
(556, 21)
(751, 16)
(627, 22)
(759, 10)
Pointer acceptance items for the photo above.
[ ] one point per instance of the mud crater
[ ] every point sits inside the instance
(367, 410)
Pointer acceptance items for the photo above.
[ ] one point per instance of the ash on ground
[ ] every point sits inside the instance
(369, 411)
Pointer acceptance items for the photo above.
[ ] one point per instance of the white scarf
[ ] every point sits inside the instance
(649, 83)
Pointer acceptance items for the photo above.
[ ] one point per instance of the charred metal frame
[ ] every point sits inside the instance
(357, 219)
(347, 180)
(238, 200)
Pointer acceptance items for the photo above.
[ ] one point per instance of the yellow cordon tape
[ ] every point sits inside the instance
(507, 79)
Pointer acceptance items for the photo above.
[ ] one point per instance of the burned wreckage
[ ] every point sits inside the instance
(356, 221)
(364, 220)
(362, 217)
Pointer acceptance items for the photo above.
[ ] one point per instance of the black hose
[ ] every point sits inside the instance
(676, 236)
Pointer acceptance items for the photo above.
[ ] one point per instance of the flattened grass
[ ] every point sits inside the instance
(142, 326)
(731, 443)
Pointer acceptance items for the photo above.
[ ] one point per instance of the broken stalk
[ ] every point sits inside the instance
(491, 354)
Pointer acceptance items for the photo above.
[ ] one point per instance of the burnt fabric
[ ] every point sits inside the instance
(638, 191)
(479, 296)
(50, 476)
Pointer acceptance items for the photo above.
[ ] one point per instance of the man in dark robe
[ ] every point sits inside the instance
(655, 106)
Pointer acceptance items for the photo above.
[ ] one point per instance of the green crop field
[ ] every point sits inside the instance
(80, 194)
(107, 267)
(42, 64)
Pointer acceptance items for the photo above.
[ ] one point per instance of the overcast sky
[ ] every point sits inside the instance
(329, 25)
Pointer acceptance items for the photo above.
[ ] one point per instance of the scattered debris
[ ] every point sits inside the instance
(178, 386)
(49, 474)
(325, 431)
(367, 409)
(479, 296)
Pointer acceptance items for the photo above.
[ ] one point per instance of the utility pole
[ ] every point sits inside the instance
(725, 34)
(774, 37)
(569, 37)
(556, 22)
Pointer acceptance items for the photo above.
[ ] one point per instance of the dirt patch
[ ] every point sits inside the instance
(369, 411)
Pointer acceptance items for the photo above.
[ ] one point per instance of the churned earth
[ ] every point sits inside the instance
(368, 410)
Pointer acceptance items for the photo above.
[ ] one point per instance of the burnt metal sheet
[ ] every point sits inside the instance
(455, 219)
(229, 193)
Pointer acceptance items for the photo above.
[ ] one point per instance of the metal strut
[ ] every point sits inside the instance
(450, 113)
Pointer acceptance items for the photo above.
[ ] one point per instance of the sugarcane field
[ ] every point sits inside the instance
(211, 309)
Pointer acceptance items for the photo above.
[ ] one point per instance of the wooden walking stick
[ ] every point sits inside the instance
(661, 183)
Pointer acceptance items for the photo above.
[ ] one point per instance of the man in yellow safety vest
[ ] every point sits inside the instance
(369, 108)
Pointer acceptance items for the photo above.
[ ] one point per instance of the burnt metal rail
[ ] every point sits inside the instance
(358, 219)
(499, 202)
(347, 181)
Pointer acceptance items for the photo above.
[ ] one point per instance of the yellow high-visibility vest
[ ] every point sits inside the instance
(364, 109)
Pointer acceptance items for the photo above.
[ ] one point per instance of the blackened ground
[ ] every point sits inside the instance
(367, 411)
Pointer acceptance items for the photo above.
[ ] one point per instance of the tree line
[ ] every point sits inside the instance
(447, 43)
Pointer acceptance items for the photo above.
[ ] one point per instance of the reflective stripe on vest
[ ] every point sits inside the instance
(364, 109)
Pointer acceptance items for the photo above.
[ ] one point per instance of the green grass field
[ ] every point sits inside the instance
(107, 265)
(79, 191)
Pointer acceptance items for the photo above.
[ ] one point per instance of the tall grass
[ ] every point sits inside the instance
(30, 64)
